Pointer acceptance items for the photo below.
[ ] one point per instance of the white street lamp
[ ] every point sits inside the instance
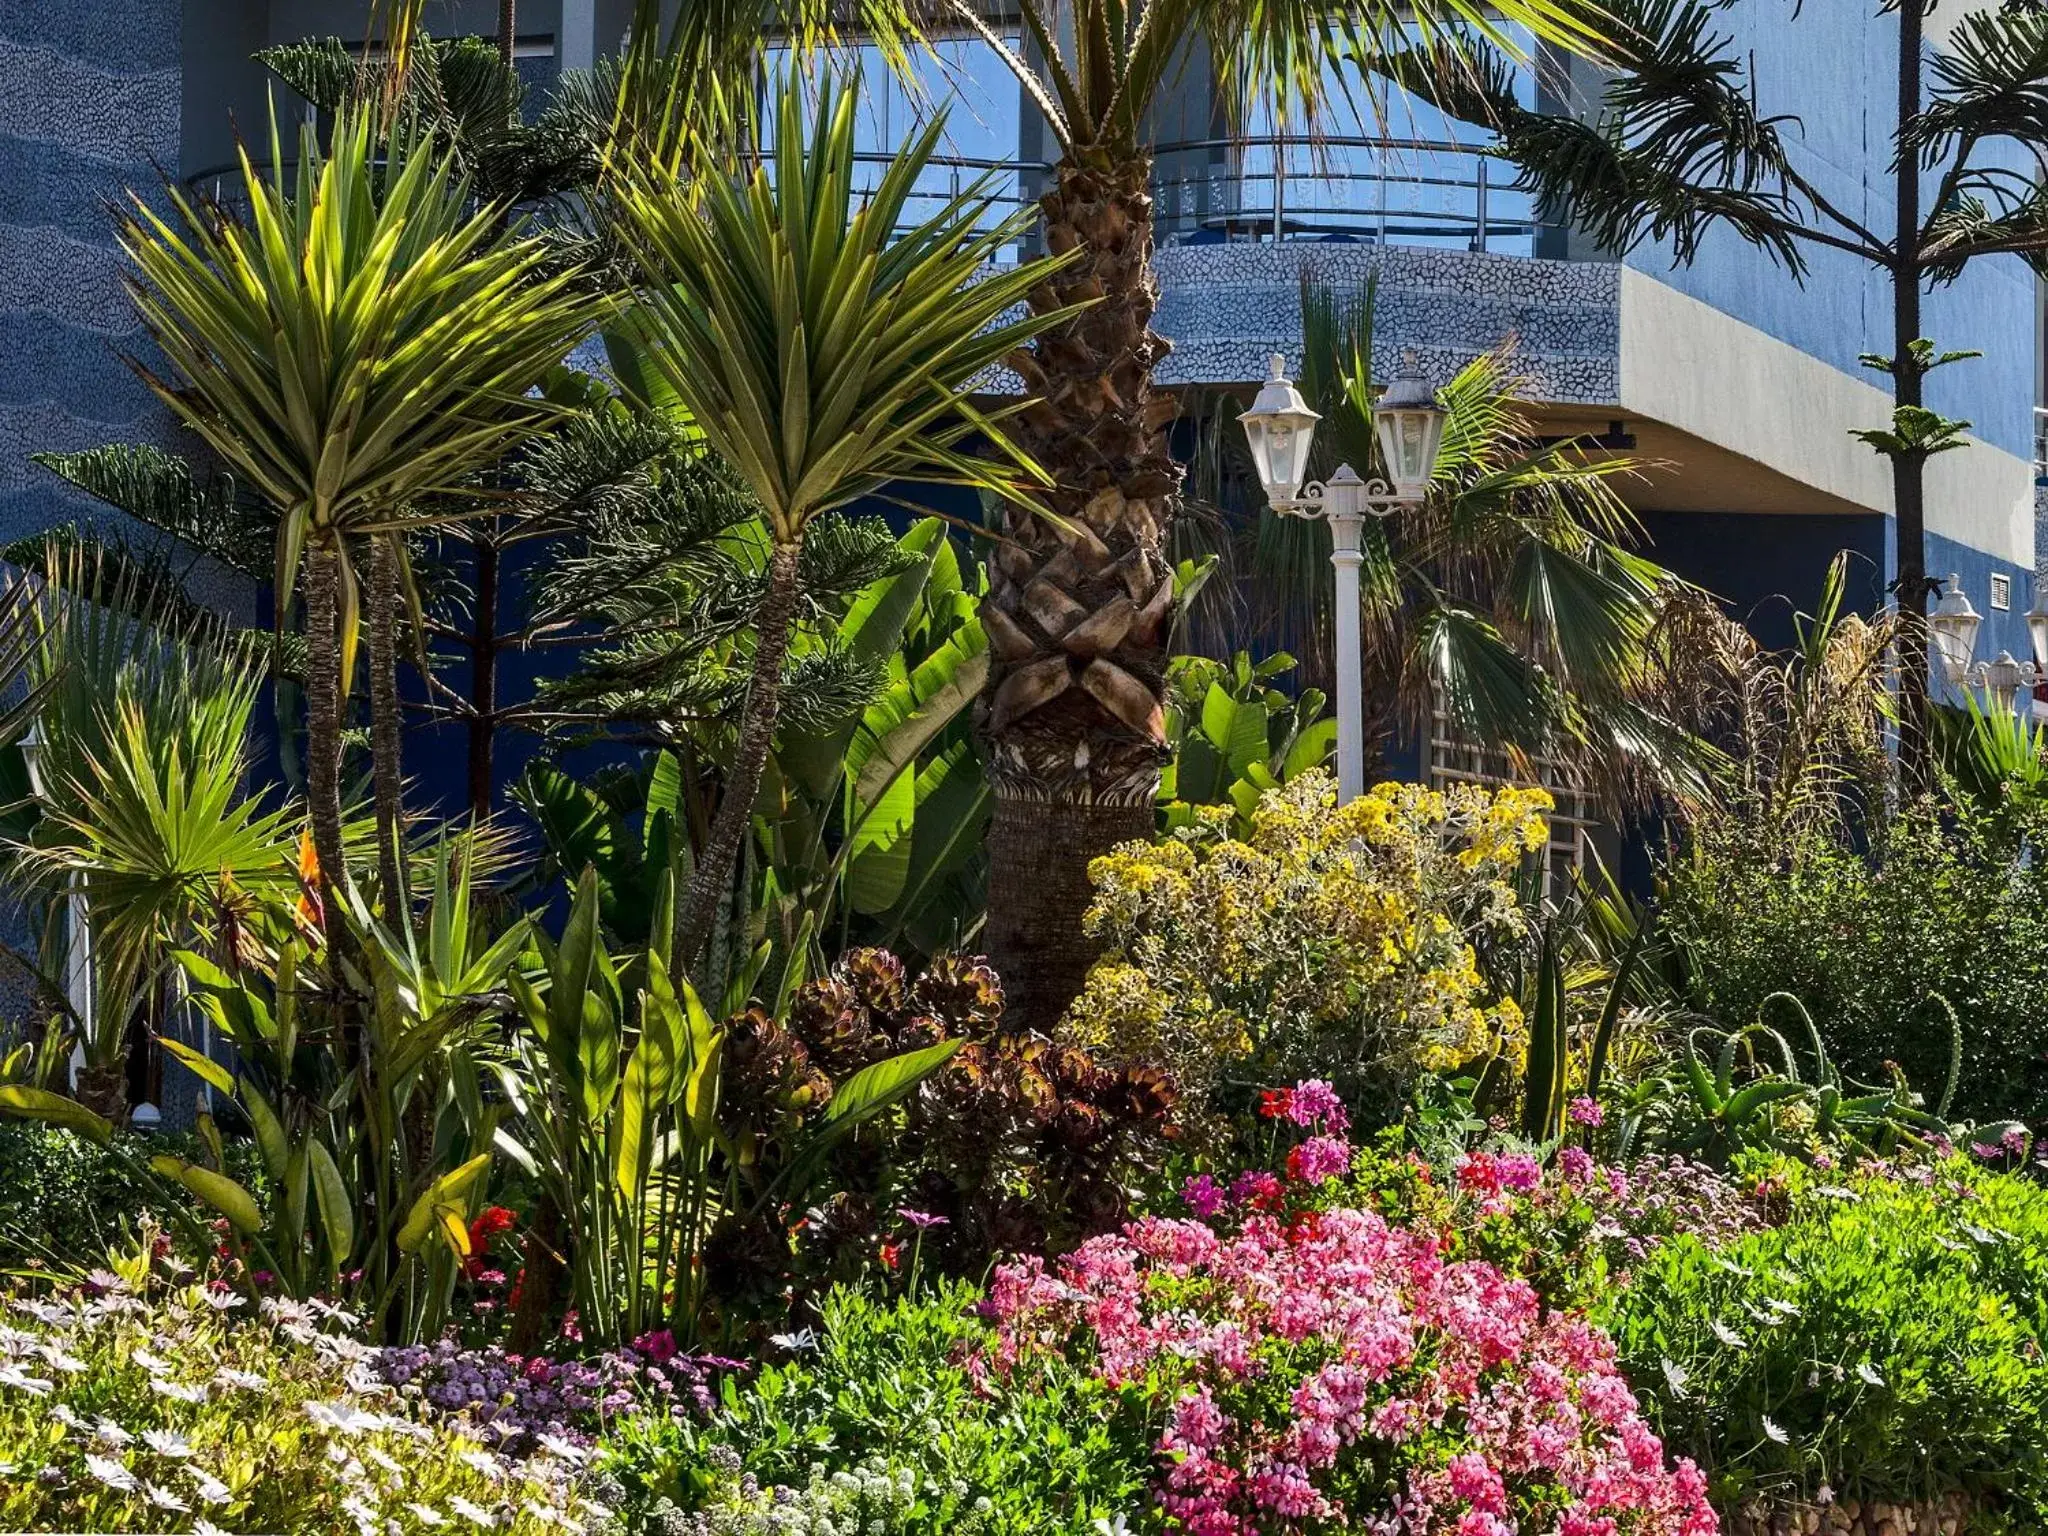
(1955, 624)
(1279, 428)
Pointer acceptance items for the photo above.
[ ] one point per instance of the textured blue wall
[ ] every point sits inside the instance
(1834, 70)
(89, 106)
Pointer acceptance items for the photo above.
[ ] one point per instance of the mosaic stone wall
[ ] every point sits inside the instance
(1225, 307)
(89, 105)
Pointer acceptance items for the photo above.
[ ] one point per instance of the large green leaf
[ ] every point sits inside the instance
(337, 1210)
(878, 861)
(872, 630)
(873, 1089)
(910, 714)
(26, 1103)
(216, 1189)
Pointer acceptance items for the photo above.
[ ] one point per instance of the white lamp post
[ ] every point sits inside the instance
(1955, 623)
(78, 930)
(1279, 427)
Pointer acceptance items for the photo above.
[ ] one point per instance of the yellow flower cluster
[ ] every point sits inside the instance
(1329, 940)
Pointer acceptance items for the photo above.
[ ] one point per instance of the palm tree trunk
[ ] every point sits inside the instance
(1079, 611)
(1909, 470)
(743, 782)
(104, 1090)
(387, 771)
(483, 677)
(323, 722)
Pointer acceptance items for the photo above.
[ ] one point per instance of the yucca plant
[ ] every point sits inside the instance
(823, 356)
(365, 340)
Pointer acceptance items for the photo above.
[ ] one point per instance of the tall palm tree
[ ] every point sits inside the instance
(1080, 602)
(822, 356)
(365, 340)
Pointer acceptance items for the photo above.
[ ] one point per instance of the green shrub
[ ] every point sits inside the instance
(65, 1201)
(1885, 1341)
(885, 1390)
(128, 1404)
(1862, 930)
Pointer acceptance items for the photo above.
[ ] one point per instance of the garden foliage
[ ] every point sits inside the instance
(1330, 940)
(1882, 1340)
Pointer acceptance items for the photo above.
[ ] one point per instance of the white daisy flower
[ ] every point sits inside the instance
(111, 1473)
(246, 1381)
(205, 1527)
(35, 1386)
(60, 1413)
(476, 1514)
(58, 1360)
(107, 1432)
(223, 1301)
(163, 1498)
(567, 1450)
(427, 1514)
(210, 1489)
(485, 1463)
(177, 1391)
(167, 1442)
(152, 1363)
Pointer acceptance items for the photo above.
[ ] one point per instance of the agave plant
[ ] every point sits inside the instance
(368, 338)
(823, 356)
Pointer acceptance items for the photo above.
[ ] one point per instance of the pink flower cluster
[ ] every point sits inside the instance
(1287, 1357)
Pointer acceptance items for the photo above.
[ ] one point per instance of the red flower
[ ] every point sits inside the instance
(1276, 1103)
(892, 1255)
(490, 1221)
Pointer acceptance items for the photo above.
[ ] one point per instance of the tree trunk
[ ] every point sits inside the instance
(104, 1090)
(323, 723)
(508, 30)
(743, 781)
(387, 769)
(483, 678)
(539, 1307)
(1079, 612)
(1909, 471)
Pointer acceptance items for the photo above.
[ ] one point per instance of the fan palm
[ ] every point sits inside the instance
(156, 833)
(822, 356)
(1079, 610)
(367, 339)
(1511, 601)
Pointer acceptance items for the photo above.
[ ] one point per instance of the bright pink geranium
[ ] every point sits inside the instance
(1499, 1418)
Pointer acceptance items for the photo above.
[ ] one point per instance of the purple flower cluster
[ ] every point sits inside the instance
(513, 1400)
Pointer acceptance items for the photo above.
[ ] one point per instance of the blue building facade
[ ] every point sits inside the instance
(1738, 385)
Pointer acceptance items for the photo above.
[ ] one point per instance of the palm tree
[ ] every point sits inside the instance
(1513, 600)
(822, 356)
(151, 824)
(366, 341)
(1080, 603)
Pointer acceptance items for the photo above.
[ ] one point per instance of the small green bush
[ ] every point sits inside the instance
(891, 1391)
(65, 1201)
(1863, 932)
(1885, 1341)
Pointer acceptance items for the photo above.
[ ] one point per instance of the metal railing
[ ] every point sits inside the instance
(1387, 191)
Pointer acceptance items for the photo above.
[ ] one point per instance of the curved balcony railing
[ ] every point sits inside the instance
(1387, 191)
